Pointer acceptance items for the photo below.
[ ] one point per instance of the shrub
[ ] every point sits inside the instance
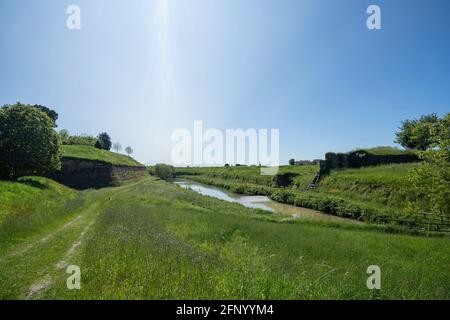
(28, 142)
(81, 140)
(164, 171)
(103, 141)
(283, 179)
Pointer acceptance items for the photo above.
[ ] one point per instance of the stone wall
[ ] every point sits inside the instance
(84, 174)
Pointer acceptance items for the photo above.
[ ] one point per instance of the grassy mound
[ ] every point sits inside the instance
(252, 174)
(31, 203)
(157, 241)
(385, 184)
(91, 153)
(378, 194)
(154, 240)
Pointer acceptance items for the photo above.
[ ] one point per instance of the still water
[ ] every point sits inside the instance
(261, 202)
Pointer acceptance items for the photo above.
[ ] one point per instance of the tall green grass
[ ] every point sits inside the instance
(159, 241)
(30, 204)
(252, 174)
(378, 194)
(92, 153)
(385, 184)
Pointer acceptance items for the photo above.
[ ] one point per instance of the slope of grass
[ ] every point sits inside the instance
(162, 242)
(385, 184)
(378, 194)
(252, 174)
(30, 204)
(91, 153)
(154, 240)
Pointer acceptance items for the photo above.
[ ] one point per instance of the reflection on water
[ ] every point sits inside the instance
(247, 201)
(260, 202)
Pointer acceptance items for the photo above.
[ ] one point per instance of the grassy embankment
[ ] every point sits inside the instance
(32, 204)
(152, 239)
(374, 194)
(91, 153)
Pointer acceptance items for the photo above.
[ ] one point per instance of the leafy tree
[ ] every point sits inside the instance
(49, 112)
(291, 162)
(64, 136)
(52, 114)
(28, 142)
(82, 140)
(103, 141)
(417, 133)
(128, 150)
(164, 171)
(432, 178)
(117, 146)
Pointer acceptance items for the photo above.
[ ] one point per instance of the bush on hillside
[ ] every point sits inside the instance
(79, 140)
(432, 178)
(283, 179)
(103, 141)
(163, 171)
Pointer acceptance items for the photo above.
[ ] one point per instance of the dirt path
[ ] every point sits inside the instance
(33, 266)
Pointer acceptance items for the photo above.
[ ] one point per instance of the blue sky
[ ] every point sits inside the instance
(139, 69)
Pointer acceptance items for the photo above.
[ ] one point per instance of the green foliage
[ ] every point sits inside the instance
(291, 162)
(80, 140)
(417, 133)
(432, 178)
(28, 142)
(366, 157)
(163, 171)
(52, 114)
(284, 179)
(378, 194)
(386, 151)
(103, 141)
(91, 153)
(383, 185)
(154, 240)
(64, 136)
(234, 186)
(252, 174)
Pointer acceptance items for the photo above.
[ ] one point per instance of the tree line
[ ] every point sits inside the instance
(30, 144)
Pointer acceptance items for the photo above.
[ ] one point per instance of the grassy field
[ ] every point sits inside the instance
(374, 194)
(252, 174)
(152, 239)
(31, 204)
(385, 184)
(91, 153)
